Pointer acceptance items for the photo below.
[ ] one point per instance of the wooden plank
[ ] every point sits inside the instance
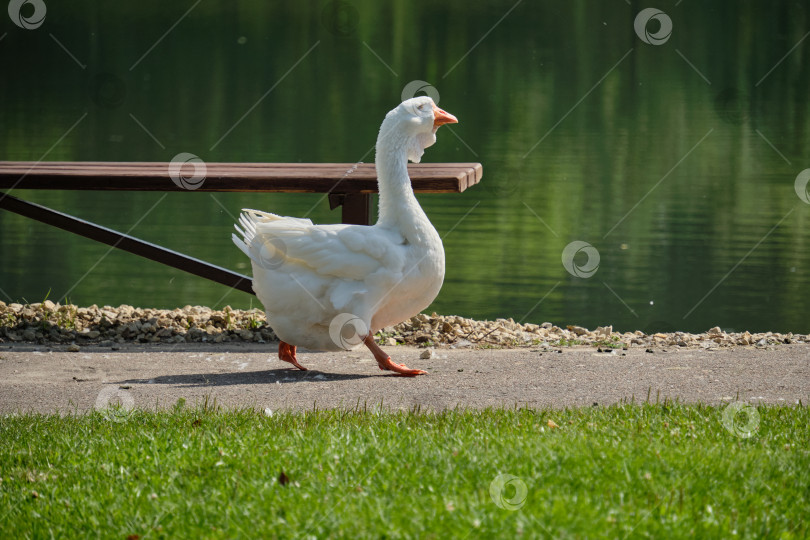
(418, 173)
(450, 177)
(161, 166)
(241, 177)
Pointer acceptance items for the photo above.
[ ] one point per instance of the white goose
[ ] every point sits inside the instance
(332, 287)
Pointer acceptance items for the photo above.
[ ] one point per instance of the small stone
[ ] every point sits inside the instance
(427, 354)
(195, 334)
(73, 348)
(40, 322)
(605, 331)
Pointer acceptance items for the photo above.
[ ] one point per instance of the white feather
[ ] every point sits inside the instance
(308, 275)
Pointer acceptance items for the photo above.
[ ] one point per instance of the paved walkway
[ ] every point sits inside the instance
(237, 375)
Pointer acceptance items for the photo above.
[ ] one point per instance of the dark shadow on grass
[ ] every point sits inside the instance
(283, 376)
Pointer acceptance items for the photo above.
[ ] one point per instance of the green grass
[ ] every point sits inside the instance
(567, 342)
(664, 471)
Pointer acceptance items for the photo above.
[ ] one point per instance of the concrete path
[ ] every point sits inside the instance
(237, 375)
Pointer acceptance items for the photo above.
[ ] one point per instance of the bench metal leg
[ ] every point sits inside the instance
(127, 243)
(356, 207)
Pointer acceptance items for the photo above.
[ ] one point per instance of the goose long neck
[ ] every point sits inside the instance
(398, 205)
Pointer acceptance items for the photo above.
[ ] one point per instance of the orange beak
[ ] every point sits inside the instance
(441, 117)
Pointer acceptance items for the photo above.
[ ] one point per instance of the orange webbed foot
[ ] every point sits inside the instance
(400, 369)
(286, 352)
(385, 363)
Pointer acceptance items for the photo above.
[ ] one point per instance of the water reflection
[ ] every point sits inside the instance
(677, 162)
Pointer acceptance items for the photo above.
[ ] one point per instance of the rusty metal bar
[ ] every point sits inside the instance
(127, 243)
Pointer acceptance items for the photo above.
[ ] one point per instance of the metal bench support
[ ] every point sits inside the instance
(127, 243)
(356, 207)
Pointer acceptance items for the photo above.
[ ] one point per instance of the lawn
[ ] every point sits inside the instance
(629, 470)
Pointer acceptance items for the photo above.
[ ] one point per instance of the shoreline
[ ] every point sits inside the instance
(50, 323)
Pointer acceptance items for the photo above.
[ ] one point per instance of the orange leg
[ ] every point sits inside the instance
(385, 363)
(287, 353)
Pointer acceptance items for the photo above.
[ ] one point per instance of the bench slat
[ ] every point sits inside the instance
(338, 178)
(347, 184)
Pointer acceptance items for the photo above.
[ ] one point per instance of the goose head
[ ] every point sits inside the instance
(411, 127)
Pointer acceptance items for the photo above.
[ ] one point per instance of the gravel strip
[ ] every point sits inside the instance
(47, 322)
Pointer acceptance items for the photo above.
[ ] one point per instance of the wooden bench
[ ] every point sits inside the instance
(345, 184)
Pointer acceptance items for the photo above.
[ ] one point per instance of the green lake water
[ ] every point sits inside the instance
(677, 160)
